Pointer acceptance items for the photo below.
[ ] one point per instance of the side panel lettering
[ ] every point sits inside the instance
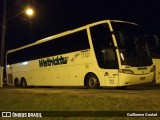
(53, 61)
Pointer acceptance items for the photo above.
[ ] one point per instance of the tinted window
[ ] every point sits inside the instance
(154, 44)
(70, 43)
(132, 46)
(104, 47)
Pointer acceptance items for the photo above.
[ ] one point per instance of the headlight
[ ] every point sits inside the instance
(126, 71)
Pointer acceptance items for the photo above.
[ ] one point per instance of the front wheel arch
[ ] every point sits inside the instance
(91, 81)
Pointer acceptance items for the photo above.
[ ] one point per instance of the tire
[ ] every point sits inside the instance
(23, 83)
(92, 81)
(16, 82)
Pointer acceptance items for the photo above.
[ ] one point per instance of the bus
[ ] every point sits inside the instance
(153, 41)
(107, 53)
(1, 76)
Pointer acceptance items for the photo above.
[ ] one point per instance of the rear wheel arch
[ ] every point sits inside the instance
(16, 82)
(23, 82)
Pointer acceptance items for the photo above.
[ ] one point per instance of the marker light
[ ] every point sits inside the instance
(25, 63)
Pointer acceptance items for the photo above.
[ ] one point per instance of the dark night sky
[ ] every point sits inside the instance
(54, 16)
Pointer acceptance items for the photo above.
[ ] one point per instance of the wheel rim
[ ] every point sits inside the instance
(23, 84)
(16, 83)
(93, 82)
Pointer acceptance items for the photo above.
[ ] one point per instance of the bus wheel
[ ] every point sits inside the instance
(23, 83)
(92, 81)
(16, 82)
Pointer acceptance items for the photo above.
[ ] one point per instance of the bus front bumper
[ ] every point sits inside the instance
(131, 79)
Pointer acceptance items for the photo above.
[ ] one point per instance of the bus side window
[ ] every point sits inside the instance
(152, 41)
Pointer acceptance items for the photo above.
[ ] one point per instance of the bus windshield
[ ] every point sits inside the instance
(132, 47)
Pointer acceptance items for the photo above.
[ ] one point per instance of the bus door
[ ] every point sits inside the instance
(111, 75)
(105, 52)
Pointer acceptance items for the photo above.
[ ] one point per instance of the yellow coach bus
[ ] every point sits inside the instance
(104, 53)
(1, 76)
(154, 45)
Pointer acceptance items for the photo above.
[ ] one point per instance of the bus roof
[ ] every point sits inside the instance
(65, 33)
